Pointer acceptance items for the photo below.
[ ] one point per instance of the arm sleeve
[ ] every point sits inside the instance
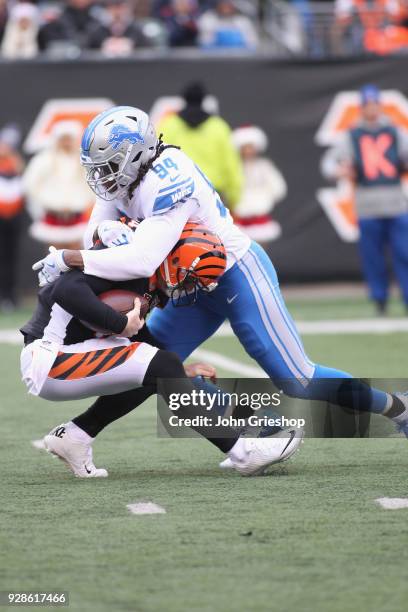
(34, 174)
(154, 239)
(100, 212)
(77, 293)
(275, 182)
(342, 152)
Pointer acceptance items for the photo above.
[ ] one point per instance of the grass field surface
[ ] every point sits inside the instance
(307, 537)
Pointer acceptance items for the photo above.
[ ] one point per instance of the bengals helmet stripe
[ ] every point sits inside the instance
(196, 262)
(193, 240)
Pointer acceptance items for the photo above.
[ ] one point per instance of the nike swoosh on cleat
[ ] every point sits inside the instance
(292, 435)
(86, 470)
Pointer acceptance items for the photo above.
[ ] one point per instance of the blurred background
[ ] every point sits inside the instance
(260, 93)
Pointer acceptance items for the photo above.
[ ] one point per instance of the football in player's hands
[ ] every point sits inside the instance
(122, 301)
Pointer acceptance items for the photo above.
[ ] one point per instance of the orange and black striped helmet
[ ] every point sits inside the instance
(195, 263)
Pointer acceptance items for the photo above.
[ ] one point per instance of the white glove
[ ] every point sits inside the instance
(50, 267)
(114, 233)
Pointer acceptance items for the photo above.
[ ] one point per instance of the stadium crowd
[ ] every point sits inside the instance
(118, 27)
(66, 28)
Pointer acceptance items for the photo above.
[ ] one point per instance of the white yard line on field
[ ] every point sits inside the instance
(145, 508)
(393, 503)
(341, 326)
(10, 336)
(231, 365)
(335, 326)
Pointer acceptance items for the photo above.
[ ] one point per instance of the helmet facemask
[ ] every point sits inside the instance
(184, 286)
(106, 179)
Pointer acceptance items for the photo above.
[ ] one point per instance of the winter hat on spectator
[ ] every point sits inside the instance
(66, 128)
(250, 134)
(24, 10)
(10, 135)
(194, 93)
(370, 93)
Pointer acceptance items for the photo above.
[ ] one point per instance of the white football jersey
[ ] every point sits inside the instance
(174, 181)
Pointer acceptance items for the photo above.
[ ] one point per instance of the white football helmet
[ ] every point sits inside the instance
(114, 146)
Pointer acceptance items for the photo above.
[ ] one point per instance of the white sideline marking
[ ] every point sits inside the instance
(10, 336)
(229, 364)
(356, 326)
(145, 508)
(340, 326)
(393, 503)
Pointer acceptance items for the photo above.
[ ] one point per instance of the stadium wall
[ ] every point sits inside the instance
(287, 99)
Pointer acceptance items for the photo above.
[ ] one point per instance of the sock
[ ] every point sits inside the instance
(401, 418)
(342, 389)
(397, 412)
(78, 434)
(110, 408)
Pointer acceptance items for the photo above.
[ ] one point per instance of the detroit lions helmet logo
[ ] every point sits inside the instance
(121, 133)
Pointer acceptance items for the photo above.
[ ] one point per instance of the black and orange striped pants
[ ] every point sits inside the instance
(97, 367)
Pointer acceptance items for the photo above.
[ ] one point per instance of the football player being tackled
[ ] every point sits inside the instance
(132, 170)
(63, 360)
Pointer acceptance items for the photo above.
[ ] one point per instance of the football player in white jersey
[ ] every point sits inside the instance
(134, 173)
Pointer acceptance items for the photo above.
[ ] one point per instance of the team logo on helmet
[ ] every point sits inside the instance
(121, 133)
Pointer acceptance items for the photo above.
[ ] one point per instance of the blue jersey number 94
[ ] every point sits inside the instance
(162, 169)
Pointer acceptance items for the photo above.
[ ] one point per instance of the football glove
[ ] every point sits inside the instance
(114, 233)
(50, 267)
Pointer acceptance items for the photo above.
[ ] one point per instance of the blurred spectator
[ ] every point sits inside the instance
(161, 9)
(11, 206)
(225, 27)
(3, 17)
(374, 155)
(20, 35)
(58, 195)
(365, 24)
(263, 187)
(141, 8)
(72, 26)
(181, 23)
(120, 33)
(207, 140)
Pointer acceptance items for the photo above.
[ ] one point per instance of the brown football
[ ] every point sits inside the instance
(121, 301)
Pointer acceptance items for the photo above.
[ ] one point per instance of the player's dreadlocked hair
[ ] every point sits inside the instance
(160, 147)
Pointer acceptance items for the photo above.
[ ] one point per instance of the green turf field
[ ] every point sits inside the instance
(308, 537)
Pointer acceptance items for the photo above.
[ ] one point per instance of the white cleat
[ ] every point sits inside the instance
(76, 455)
(263, 452)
